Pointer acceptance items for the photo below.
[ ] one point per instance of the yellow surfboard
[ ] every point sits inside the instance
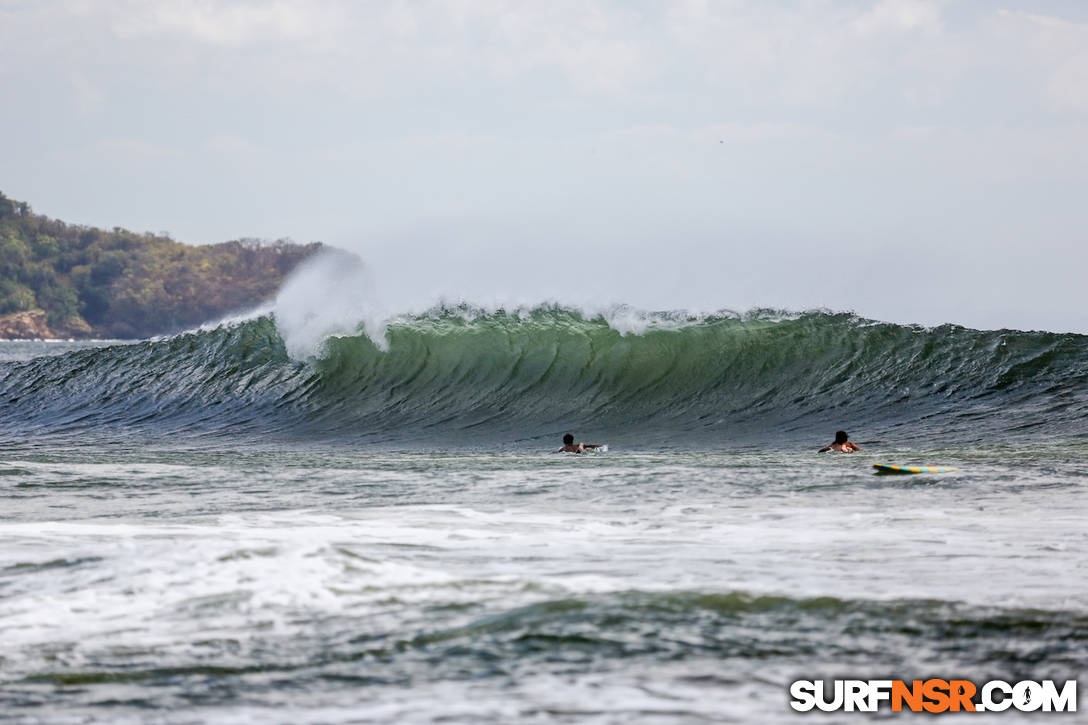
(886, 468)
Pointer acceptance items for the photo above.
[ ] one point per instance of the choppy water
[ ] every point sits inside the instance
(201, 529)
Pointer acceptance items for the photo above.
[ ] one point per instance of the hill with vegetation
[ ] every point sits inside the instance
(63, 280)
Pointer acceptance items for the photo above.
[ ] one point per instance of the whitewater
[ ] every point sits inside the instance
(354, 513)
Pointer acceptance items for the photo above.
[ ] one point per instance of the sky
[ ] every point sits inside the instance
(910, 161)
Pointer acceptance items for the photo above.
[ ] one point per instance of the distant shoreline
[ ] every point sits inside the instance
(69, 339)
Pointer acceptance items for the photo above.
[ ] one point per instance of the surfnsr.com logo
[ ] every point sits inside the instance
(933, 695)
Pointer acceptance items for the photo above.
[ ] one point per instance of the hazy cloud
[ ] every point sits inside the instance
(900, 16)
(683, 142)
(1059, 52)
(233, 145)
(233, 23)
(88, 98)
(127, 150)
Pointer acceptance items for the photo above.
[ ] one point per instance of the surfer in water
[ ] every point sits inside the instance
(569, 446)
(842, 444)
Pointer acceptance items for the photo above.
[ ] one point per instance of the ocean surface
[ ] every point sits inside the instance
(205, 528)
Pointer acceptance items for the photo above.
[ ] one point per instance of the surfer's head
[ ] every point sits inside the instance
(568, 439)
(840, 436)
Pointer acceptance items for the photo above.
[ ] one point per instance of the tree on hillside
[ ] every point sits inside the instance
(123, 284)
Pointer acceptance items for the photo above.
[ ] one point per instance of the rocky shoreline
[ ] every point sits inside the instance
(32, 325)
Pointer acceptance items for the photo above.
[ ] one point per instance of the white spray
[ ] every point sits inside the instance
(330, 294)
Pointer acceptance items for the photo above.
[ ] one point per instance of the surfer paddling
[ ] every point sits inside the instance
(569, 446)
(842, 444)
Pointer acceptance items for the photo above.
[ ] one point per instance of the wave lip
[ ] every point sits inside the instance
(462, 374)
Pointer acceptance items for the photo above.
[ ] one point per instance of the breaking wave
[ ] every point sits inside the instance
(458, 375)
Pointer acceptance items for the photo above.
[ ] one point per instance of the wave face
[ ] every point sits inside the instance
(455, 376)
